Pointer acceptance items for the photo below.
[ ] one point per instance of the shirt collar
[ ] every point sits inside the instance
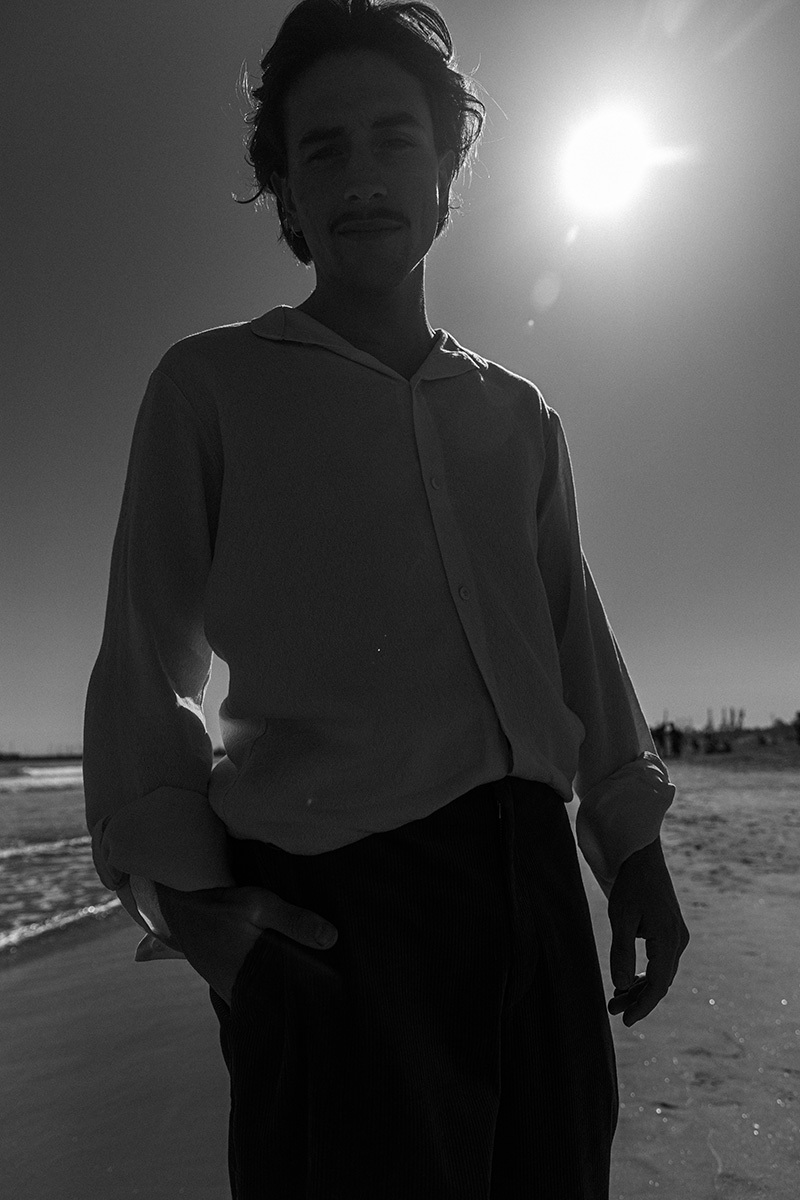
(285, 324)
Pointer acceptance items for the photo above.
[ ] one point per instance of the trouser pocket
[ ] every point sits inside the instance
(276, 968)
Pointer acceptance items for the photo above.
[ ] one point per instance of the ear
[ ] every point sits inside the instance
(280, 187)
(447, 165)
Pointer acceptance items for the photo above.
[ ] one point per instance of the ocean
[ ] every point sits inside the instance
(728, 819)
(47, 877)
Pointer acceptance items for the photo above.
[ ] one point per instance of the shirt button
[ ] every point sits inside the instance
(464, 593)
(435, 482)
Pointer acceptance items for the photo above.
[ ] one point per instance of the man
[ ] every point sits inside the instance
(376, 529)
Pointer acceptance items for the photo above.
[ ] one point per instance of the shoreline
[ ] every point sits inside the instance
(66, 937)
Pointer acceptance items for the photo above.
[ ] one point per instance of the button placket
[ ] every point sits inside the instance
(455, 558)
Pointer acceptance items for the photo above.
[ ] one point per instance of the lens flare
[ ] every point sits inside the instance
(605, 162)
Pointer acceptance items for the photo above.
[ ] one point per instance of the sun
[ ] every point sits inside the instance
(605, 163)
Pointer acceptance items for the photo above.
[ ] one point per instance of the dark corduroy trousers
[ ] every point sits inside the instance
(454, 1044)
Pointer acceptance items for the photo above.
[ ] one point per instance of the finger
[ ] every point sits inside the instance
(649, 989)
(625, 997)
(268, 910)
(642, 1005)
(304, 927)
(623, 957)
(640, 1000)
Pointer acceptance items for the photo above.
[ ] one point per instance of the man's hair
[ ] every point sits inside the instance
(413, 34)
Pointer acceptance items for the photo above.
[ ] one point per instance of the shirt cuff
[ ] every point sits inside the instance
(171, 835)
(622, 814)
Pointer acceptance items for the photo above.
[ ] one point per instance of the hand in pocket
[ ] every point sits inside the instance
(216, 928)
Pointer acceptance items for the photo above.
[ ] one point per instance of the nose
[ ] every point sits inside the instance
(363, 179)
(362, 191)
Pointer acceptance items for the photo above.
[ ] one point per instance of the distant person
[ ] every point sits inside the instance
(376, 529)
(669, 739)
(659, 737)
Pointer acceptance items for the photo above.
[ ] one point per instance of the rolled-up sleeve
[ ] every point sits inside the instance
(622, 785)
(147, 756)
(623, 814)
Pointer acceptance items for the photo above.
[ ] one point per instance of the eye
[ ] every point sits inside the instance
(390, 143)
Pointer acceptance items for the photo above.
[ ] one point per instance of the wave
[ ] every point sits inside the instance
(23, 933)
(39, 779)
(31, 848)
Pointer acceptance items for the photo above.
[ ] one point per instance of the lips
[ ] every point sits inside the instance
(375, 225)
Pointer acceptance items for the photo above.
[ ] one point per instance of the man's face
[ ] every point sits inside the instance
(360, 146)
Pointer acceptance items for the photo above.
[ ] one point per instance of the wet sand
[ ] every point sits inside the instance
(112, 1083)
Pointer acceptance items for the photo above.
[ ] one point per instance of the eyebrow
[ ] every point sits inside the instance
(393, 121)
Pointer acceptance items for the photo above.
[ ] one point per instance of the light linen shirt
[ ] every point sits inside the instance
(392, 570)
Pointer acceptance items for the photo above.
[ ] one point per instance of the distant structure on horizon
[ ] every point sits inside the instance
(671, 737)
(730, 721)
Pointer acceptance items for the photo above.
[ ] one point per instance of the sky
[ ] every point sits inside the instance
(666, 335)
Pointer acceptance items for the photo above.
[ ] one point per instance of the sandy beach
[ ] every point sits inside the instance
(113, 1084)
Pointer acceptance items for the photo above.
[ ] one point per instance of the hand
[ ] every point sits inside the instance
(643, 904)
(216, 928)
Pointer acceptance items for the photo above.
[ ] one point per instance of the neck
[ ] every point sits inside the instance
(378, 323)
